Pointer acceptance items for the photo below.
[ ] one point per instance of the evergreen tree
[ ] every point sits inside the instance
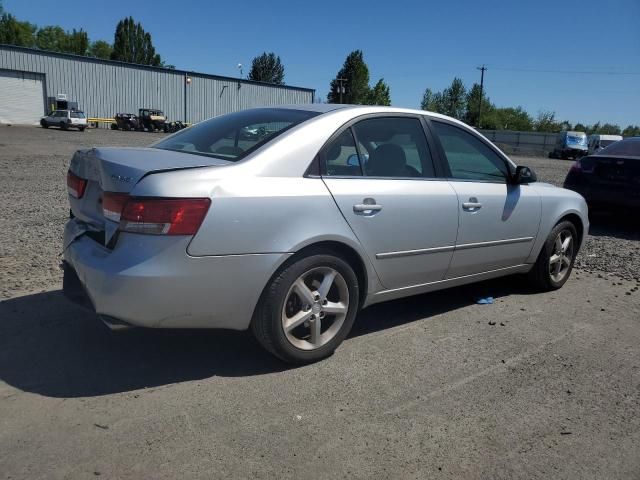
(132, 44)
(380, 94)
(356, 86)
(267, 68)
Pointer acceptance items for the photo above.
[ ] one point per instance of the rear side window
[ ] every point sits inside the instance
(232, 137)
(468, 157)
(394, 147)
(625, 148)
(341, 157)
(77, 115)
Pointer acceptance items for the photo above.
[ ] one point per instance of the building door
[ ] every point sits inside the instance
(21, 97)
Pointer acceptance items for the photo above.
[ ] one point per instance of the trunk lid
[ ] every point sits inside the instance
(119, 170)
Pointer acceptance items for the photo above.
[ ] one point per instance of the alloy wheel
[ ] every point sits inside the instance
(315, 308)
(560, 260)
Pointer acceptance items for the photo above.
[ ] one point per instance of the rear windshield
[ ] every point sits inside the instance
(233, 136)
(77, 115)
(626, 148)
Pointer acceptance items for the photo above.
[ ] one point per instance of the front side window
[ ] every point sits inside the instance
(233, 136)
(468, 157)
(394, 147)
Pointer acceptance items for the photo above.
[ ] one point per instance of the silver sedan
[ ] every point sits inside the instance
(290, 231)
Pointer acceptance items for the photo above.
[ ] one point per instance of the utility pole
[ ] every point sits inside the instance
(341, 87)
(482, 69)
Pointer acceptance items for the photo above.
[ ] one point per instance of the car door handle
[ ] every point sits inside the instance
(472, 205)
(367, 208)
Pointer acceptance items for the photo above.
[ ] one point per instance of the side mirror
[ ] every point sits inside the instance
(353, 160)
(524, 175)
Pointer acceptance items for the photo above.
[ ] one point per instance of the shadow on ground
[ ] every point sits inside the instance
(619, 224)
(51, 347)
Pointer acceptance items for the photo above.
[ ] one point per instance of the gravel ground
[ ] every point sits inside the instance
(435, 386)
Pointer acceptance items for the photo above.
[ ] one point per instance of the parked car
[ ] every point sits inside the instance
(125, 121)
(290, 235)
(597, 142)
(570, 144)
(610, 177)
(65, 119)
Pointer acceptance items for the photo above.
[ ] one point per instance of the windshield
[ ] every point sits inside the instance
(629, 147)
(606, 143)
(576, 139)
(233, 136)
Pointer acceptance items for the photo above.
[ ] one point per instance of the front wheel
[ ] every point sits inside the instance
(555, 262)
(81, 128)
(307, 309)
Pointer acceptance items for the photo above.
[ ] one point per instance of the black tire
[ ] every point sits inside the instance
(267, 322)
(540, 275)
(64, 126)
(81, 128)
(44, 124)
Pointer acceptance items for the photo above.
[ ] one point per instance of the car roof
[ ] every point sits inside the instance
(332, 107)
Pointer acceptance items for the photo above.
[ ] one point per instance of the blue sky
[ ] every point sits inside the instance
(532, 49)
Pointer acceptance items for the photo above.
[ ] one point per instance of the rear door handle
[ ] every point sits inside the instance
(472, 205)
(368, 207)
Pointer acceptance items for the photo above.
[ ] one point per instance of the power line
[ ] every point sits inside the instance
(578, 72)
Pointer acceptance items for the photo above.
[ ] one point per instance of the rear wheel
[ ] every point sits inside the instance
(307, 309)
(555, 262)
(44, 124)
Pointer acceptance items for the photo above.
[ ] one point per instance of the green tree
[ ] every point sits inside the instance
(356, 86)
(579, 127)
(132, 44)
(472, 103)
(451, 101)
(546, 122)
(434, 102)
(51, 38)
(55, 39)
(631, 131)
(455, 98)
(14, 32)
(592, 128)
(511, 118)
(380, 94)
(77, 42)
(610, 129)
(267, 68)
(100, 49)
(565, 126)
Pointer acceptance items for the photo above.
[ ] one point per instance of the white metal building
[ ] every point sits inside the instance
(102, 88)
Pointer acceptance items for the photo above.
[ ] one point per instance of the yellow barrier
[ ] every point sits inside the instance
(101, 120)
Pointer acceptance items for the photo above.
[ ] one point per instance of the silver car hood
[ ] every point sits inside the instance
(118, 169)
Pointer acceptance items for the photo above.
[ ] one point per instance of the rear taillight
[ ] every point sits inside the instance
(112, 205)
(583, 165)
(75, 185)
(157, 216)
(576, 167)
